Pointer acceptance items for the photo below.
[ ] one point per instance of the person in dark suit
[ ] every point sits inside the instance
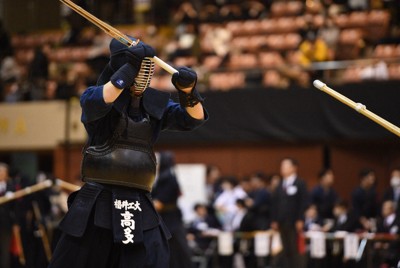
(6, 218)
(259, 202)
(323, 196)
(392, 193)
(288, 207)
(166, 192)
(364, 198)
(345, 220)
(388, 252)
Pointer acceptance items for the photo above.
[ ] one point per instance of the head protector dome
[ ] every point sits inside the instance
(118, 57)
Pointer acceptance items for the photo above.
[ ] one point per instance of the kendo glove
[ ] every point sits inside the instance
(131, 60)
(124, 76)
(186, 78)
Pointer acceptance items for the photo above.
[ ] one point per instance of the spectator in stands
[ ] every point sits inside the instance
(312, 220)
(243, 221)
(313, 49)
(65, 87)
(323, 195)
(10, 78)
(259, 202)
(345, 218)
(203, 227)
(12, 91)
(186, 14)
(387, 253)
(289, 204)
(253, 10)
(38, 72)
(329, 33)
(75, 23)
(98, 53)
(185, 43)
(9, 69)
(347, 221)
(274, 181)
(166, 192)
(6, 217)
(364, 198)
(357, 5)
(388, 222)
(6, 48)
(231, 12)
(238, 223)
(225, 204)
(213, 183)
(393, 192)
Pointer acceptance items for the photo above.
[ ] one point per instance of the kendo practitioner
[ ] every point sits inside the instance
(111, 221)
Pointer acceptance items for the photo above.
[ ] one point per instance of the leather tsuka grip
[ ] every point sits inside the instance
(189, 99)
(124, 76)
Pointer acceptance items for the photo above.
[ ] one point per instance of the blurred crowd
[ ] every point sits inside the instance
(231, 44)
(28, 225)
(282, 203)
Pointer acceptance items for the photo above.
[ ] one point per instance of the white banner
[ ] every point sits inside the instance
(262, 244)
(317, 245)
(276, 243)
(351, 242)
(192, 182)
(225, 243)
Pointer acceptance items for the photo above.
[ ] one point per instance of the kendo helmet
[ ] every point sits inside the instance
(118, 57)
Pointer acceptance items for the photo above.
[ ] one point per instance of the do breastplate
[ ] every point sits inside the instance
(126, 159)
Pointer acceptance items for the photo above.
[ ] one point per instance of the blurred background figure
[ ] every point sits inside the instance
(203, 226)
(388, 252)
(225, 204)
(166, 192)
(345, 221)
(5, 42)
(312, 220)
(259, 202)
(213, 183)
(289, 203)
(323, 195)
(6, 218)
(345, 218)
(392, 193)
(364, 198)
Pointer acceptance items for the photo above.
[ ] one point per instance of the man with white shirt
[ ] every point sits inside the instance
(392, 193)
(387, 253)
(288, 207)
(5, 218)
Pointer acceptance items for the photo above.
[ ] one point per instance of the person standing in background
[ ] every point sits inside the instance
(289, 204)
(393, 192)
(6, 218)
(364, 198)
(166, 192)
(323, 196)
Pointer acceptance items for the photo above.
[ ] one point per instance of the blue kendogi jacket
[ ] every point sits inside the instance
(95, 202)
(165, 114)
